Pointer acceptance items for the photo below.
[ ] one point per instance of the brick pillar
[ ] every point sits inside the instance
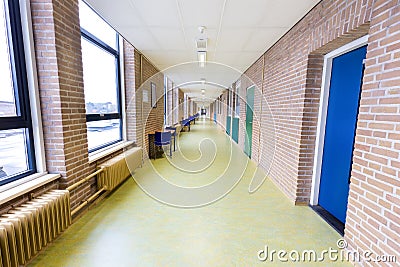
(149, 119)
(170, 106)
(130, 96)
(175, 97)
(57, 41)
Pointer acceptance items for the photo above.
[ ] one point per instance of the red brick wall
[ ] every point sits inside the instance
(138, 98)
(130, 89)
(185, 106)
(59, 64)
(176, 107)
(149, 119)
(242, 113)
(170, 108)
(181, 98)
(373, 217)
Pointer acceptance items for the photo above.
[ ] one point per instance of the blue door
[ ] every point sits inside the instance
(235, 129)
(228, 125)
(341, 120)
(249, 121)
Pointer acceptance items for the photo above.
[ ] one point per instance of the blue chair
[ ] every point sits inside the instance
(191, 118)
(186, 122)
(162, 139)
(173, 134)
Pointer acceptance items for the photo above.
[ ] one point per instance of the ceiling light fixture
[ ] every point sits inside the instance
(203, 91)
(202, 57)
(201, 46)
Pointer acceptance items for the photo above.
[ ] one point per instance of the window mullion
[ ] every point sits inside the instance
(93, 39)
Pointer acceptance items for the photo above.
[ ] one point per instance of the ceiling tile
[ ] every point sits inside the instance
(158, 13)
(171, 39)
(140, 38)
(262, 38)
(285, 13)
(227, 58)
(201, 13)
(168, 59)
(127, 15)
(235, 16)
(232, 39)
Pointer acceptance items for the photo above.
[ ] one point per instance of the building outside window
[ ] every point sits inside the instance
(101, 75)
(17, 152)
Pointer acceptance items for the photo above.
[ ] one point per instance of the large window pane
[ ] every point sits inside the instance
(103, 132)
(99, 75)
(100, 58)
(96, 25)
(13, 156)
(7, 99)
(17, 155)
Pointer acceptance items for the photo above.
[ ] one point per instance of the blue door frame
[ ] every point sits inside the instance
(341, 121)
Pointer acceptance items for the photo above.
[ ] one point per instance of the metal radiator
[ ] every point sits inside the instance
(117, 169)
(26, 229)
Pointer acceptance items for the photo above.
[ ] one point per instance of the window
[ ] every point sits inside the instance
(17, 154)
(100, 58)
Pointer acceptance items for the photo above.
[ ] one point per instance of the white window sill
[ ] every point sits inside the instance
(22, 186)
(95, 156)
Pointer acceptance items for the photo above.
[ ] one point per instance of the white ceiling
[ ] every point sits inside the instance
(238, 32)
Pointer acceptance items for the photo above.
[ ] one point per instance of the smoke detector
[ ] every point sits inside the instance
(201, 29)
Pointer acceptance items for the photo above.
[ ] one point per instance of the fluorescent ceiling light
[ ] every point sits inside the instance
(202, 56)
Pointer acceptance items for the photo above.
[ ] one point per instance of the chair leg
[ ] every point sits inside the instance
(170, 149)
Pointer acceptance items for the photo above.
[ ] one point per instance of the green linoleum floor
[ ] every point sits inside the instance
(131, 228)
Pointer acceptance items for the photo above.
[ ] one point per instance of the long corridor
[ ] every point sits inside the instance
(134, 228)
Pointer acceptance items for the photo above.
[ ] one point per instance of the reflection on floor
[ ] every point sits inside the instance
(131, 228)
